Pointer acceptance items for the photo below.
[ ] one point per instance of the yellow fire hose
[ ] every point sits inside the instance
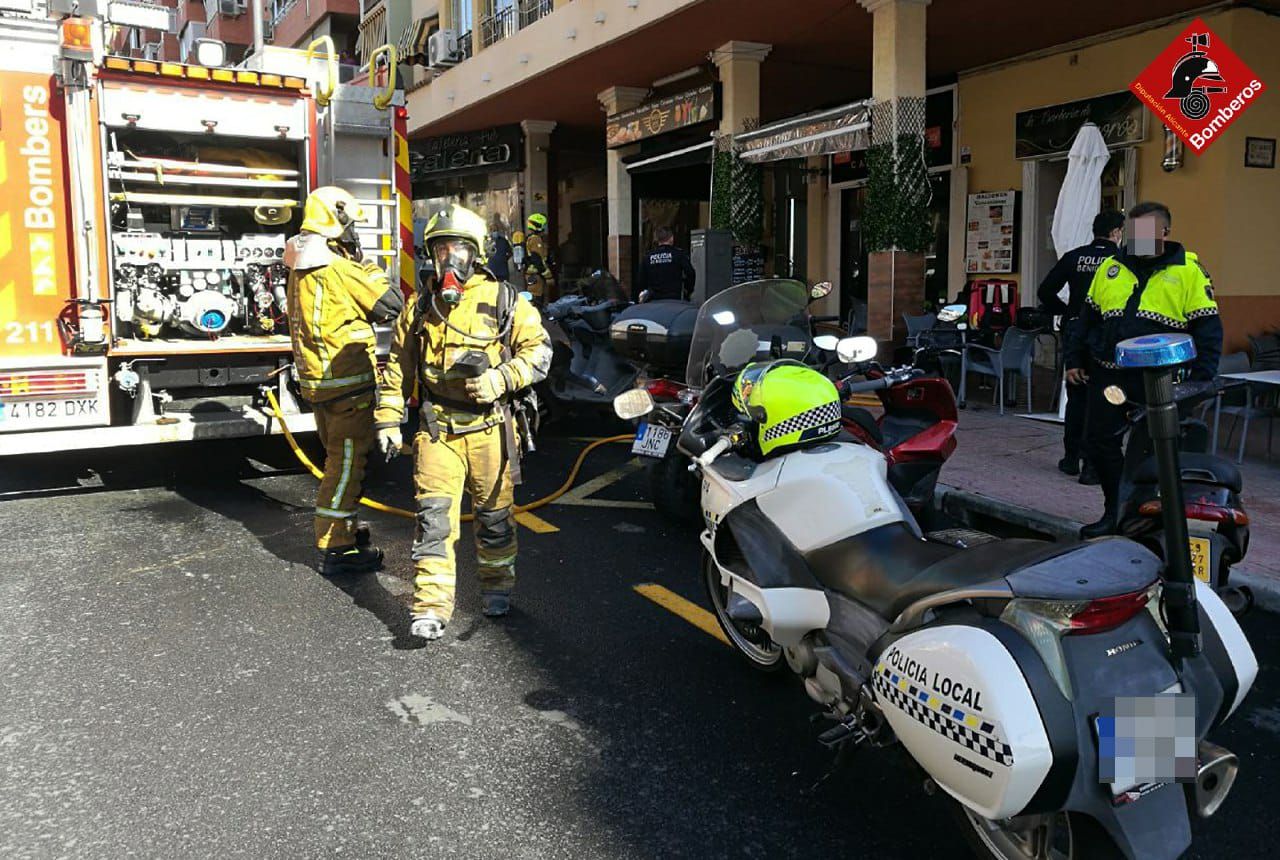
(409, 515)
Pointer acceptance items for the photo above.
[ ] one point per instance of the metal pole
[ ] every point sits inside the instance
(1179, 589)
(255, 9)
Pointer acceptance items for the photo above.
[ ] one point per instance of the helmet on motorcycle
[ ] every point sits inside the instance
(791, 405)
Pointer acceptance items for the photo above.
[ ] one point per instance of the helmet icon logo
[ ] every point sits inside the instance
(1195, 77)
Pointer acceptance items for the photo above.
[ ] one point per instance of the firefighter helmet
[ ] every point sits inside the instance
(330, 211)
(537, 223)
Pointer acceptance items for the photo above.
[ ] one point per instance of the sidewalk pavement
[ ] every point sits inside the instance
(1015, 459)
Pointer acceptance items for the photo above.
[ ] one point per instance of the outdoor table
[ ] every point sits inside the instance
(1252, 378)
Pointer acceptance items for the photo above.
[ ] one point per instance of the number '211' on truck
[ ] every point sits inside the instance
(142, 227)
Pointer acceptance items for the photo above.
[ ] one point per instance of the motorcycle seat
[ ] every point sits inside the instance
(889, 568)
(864, 419)
(1195, 467)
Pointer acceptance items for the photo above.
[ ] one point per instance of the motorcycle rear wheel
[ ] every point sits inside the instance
(1058, 836)
(751, 643)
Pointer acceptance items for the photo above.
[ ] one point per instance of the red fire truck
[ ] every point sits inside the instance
(143, 224)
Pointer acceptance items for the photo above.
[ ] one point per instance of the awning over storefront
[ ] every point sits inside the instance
(412, 47)
(841, 129)
(687, 156)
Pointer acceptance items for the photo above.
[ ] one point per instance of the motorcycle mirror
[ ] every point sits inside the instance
(951, 313)
(739, 348)
(1115, 395)
(851, 350)
(635, 403)
(827, 342)
(820, 290)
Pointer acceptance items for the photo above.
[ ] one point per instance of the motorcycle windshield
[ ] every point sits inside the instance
(776, 310)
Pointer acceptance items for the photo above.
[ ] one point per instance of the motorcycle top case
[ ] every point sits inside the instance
(957, 700)
(656, 333)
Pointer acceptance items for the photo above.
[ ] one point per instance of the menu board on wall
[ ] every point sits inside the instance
(990, 236)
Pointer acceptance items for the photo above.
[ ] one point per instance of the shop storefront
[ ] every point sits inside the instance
(670, 169)
(848, 199)
(1018, 119)
(479, 169)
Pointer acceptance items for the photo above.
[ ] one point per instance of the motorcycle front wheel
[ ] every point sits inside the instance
(674, 490)
(751, 643)
(1057, 836)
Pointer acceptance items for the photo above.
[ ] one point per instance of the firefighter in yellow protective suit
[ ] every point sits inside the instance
(471, 344)
(334, 299)
(534, 258)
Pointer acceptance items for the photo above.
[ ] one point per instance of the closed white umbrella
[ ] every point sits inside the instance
(1081, 195)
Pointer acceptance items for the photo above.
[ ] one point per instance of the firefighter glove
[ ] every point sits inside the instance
(488, 386)
(389, 442)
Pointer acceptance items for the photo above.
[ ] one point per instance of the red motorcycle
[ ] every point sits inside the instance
(916, 431)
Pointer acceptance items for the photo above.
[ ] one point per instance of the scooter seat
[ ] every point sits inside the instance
(890, 567)
(864, 419)
(1195, 467)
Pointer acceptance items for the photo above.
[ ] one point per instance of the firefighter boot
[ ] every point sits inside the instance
(496, 603)
(345, 560)
(427, 626)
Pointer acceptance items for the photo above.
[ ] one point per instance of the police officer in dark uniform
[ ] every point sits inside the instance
(665, 272)
(1075, 270)
(1149, 286)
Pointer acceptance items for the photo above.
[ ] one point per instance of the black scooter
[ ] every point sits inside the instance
(1216, 521)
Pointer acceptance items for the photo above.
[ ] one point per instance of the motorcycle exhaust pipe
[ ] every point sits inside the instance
(1215, 774)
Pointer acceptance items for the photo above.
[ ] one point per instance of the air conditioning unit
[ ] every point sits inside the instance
(232, 7)
(442, 49)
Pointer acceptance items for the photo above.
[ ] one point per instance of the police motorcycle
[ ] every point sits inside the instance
(1000, 669)
(1217, 523)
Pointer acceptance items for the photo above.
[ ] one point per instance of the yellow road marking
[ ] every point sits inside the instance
(691, 612)
(580, 495)
(535, 524)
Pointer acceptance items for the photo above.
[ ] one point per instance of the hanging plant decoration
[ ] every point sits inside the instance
(737, 194)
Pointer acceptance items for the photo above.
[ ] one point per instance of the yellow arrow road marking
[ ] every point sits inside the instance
(689, 611)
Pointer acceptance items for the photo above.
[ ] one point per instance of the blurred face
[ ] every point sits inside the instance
(1145, 235)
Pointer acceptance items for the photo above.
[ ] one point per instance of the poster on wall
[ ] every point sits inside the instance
(990, 235)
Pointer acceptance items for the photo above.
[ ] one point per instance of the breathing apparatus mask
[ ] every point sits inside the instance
(455, 261)
(348, 242)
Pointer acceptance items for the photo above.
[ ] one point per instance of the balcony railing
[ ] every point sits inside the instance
(505, 22)
(498, 26)
(532, 10)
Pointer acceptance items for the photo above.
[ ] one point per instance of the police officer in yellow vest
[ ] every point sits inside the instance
(1150, 286)
(334, 299)
(470, 342)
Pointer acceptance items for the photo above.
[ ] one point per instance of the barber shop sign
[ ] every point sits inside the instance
(1197, 86)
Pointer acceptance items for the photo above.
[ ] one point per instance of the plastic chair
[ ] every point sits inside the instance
(1241, 401)
(1013, 357)
(917, 324)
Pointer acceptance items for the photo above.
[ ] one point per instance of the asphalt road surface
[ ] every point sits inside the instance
(176, 680)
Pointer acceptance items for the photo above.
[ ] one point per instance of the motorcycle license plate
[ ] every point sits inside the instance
(1200, 557)
(652, 440)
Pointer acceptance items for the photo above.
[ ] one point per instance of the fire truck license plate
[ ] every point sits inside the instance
(651, 440)
(46, 414)
(1200, 556)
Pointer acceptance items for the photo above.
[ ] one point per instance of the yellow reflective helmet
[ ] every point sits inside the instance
(537, 223)
(330, 210)
(457, 222)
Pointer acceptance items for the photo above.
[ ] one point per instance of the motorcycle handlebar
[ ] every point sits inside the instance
(890, 379)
